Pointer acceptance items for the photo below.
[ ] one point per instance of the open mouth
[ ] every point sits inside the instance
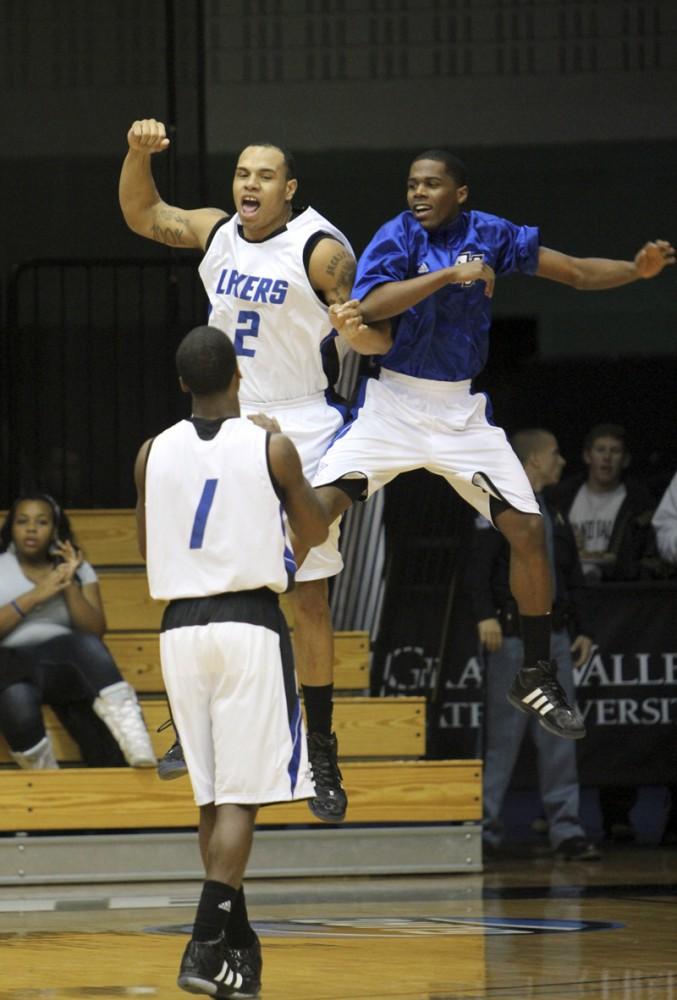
(249, 206)
(421, 209)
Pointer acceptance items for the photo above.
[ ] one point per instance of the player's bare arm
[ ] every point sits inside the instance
(347, 320)
(599, 273)
(331, 271)
(143, 209)
(394, 297)
(140, 482)
(305, 513)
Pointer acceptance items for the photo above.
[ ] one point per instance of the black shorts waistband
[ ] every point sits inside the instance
(253, 607)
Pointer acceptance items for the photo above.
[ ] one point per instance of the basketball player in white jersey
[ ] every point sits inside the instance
(212, 491)
(271, 275)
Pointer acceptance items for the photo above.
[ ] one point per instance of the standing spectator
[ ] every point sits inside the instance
(51, 623)
(611, 516)
(498, 627)
(665, 525)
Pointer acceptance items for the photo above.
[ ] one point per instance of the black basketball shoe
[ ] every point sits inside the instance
(173, 764)
(330, 800)
(536, 690)
(214, 968)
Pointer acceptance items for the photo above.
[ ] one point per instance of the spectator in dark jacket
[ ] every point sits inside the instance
(498, 628)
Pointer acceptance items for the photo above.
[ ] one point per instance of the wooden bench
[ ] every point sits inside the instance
(138, 656)
(383, 786)
(366, 727)
(123, 798)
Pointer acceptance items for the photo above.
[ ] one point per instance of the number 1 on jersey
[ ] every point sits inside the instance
(248, 326)
(202, 513)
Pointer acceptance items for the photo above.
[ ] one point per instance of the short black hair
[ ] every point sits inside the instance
(287, 155)
(205, 360)
(615, 431)
(454, 166)
(528, 441)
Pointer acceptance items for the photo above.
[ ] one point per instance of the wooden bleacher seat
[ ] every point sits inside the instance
(383, 786)
(107, 537)
(366, 727)
(123, 798)
(138, 656)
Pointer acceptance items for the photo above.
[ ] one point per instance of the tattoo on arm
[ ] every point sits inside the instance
(341, 268)
(173, 231)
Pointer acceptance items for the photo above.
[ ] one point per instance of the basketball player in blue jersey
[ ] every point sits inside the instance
(211, 492)
(271, 275)
(430, 272)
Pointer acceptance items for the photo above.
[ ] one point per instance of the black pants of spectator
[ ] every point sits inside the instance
(67, 674)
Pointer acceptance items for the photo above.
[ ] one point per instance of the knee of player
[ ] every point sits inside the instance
(525, 532)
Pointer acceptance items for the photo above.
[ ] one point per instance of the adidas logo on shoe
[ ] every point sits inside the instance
(537, 691)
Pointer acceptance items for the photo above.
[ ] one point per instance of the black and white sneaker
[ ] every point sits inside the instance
(173, 764)
(212, 967)
(330, 800)
(536, 690)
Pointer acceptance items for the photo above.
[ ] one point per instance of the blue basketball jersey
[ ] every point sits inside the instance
(446, 336)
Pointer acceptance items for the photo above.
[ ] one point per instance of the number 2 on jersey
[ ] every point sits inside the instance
(248, 326)
(202, 513)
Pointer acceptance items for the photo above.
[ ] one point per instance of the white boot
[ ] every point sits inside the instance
(38, 758)
(118, 707)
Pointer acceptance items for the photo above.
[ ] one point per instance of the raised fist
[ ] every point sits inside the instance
(148, 136)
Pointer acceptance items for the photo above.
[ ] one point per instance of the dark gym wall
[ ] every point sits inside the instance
(565, 112)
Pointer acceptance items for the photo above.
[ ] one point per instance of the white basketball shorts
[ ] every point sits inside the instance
(312, 425)
(234, 702)
(411, 423)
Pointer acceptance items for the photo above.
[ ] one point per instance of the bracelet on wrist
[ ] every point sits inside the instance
(21, 613)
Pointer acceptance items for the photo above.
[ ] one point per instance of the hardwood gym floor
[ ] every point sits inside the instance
(527, 927)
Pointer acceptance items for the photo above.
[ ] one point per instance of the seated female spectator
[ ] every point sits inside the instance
(51, 623)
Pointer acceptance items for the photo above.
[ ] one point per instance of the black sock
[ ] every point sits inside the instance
(240, 933)
(536, 637)
(214, 910)
(319, 707)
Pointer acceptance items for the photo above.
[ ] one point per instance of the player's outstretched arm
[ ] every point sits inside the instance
(598, 273)
(331, 271)
(143, 209)
(305, 513)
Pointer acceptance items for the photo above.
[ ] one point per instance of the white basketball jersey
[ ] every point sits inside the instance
(213, 520)
(261, 297)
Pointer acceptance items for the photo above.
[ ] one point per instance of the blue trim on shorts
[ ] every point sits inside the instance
(288, 555)
(296, 730)
(489, 408)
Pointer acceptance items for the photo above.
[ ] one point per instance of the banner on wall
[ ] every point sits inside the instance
(627, 691)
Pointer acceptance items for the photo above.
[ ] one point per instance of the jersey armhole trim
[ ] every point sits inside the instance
(310, 245)
(213, 231)
(273, 480)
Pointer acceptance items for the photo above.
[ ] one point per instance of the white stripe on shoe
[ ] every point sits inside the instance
(538, 702)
